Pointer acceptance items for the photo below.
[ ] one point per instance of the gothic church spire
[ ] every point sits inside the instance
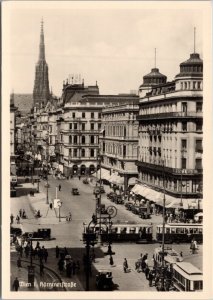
(41, 91)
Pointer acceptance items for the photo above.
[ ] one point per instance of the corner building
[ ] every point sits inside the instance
(170, 137)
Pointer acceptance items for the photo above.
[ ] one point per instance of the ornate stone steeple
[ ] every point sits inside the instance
(41, 92)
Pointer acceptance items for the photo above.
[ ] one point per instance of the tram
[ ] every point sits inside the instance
(170, 256)
(125, 232)
(180, 232)
(186, 277)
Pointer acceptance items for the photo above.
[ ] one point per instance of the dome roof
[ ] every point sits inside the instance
(192, 66)
(153, 78)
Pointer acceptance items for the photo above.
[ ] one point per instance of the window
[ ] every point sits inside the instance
(92, 139)
(71, 126)
(75, 139)
(199, 107)
(92, 126)
(199, 85)
(83, 126)
(198, 146)
(70, 152)
(70, 139)
(83, 152)
(124, 151)
(99, 115)
(199, 126)
(75, 126)
(183, 163)
(92, 152)
(184, 107)
(92, 115)
(75, 153)
(83, 115)
(183, 144)
(198, 164)
(184, 126)
(83, 139)
(99, 126)
(73, 115)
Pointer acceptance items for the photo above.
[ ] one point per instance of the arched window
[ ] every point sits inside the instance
(83, 139)
(92, 152)
(70, 139)
(83, 152)
(92, 139)
(75, 139)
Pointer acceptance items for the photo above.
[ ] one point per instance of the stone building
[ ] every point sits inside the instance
(119, 143)
(170, 137)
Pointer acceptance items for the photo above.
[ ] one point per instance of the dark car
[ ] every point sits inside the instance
(15, 230)
(85, 181)
(119, 199)
(104, 280)
(135, 209)
(99, 190)
(75, 191)
(144, 213)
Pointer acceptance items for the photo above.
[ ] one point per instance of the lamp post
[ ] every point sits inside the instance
(90, 238)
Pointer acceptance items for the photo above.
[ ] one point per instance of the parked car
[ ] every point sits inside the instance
(119, 199)
(85, 181)
(144, 213)
(135, 209)
(75, 191)
(104, 280)
(15, 230)
(99, 190)
(129, 205)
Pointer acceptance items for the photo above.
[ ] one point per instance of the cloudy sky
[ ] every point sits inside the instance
(114, 46)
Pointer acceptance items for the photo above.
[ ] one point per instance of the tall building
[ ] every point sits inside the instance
(119, 143)
(170, 137)
(41, 92)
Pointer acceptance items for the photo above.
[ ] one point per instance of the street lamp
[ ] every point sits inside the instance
(90, 237)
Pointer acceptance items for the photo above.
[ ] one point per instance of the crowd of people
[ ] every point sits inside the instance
(19, 216)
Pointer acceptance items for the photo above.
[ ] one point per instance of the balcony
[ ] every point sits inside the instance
(170, 115)
(174, 171)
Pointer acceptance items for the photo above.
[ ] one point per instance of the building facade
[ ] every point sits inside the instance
(119, 142)
(170, 137)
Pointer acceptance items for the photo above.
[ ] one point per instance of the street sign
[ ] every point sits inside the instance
(57, 203)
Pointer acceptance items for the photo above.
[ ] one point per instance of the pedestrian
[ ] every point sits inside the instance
(147, 270)
(68, 269)
(45, 255)
(125, 265)
(57, 251)
(19, 262)
(78, 266)
(21, 250)
(16, 284)
(65, 251)
(111, 262)
(74, 267)
(18, 219)
(11, 219)
(24, 214)
(61, 265)
(26, 250)
(41, 269)
(20, 212)
(181, 253)
(150, 278)
(59, 187)
(51, 205)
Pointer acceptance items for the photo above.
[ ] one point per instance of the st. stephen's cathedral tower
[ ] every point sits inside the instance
(41, 92)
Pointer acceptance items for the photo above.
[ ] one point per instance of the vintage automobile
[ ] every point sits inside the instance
(98, 190)
(40, 234)
(104, 280)
(15, 230)
(75, 191)
(135, 209)
(129, 205)
(85, 181)
(144, 212)
(119, 199)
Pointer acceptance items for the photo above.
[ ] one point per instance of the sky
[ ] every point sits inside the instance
(114, 47)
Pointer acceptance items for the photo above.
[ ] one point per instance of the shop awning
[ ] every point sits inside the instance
(132, 181)
(105, 174)
(116, 179)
